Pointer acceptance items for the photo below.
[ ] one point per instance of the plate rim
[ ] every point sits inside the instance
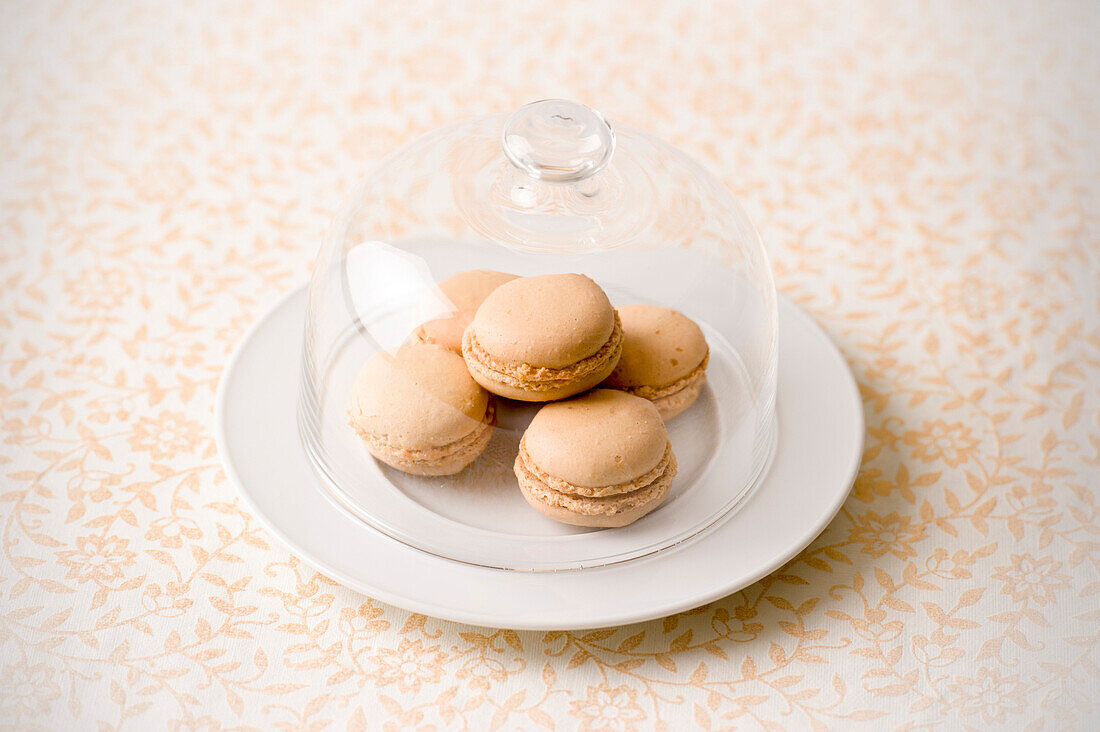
(535, 622)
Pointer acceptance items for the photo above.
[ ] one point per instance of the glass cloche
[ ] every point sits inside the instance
(552, 189)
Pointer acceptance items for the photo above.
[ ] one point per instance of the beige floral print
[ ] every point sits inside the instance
(606, 708)
(26, 691)
(97, 559)
(165, 435)
(1028, 578)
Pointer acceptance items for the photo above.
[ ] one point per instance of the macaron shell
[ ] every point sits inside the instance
(609, 512)
(524, 382)
(660, 346)
(549, 320)
(423, 396)
(604, 437)
(466, 291)
(446, 460)
(523, 459)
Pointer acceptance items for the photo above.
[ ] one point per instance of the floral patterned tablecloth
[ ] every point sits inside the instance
(926, 177)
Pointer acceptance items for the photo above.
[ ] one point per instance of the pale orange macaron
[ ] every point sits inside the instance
(419, 411)
(465, 291)
(664, 358)
(542, 338)
(601, 459)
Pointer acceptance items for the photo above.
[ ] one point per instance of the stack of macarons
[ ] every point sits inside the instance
(590, 457)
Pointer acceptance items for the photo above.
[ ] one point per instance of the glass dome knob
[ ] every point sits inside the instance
(557, 140)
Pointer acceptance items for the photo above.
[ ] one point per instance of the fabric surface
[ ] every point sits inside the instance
(925, 177)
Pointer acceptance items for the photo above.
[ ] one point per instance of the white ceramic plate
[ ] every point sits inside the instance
(820, 439)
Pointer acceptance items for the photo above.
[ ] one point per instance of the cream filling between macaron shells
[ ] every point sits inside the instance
(529, 377)
(453, 456)
(563, 486)
(673, 398)
(651, 487)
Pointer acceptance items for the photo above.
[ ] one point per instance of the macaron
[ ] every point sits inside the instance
(600, 459)
(419, 411)
(664, 358)
(466, 291)
(542, 338)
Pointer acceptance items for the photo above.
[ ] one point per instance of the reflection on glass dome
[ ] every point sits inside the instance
(548, 191)
(391, 292)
